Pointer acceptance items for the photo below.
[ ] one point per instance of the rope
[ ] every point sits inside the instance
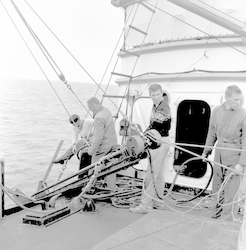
(196, 205)
(194, 154)
(97, 169)
(205, 159)
(203, 190)
(61, 76)
(210, 147)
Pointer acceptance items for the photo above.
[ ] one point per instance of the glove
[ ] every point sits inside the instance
(90, 152)
(63, 158)
(61, 161)
(205, 156)
(74, 149)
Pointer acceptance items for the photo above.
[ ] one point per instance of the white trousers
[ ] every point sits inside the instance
(154, 182)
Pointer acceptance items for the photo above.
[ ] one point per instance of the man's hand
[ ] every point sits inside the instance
(63, 158)
(239, 168)
(74, 149)
(204, 156)
(60, 161)
(90, 151)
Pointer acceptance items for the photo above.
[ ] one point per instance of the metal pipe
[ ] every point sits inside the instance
(119, 152)
(52, 161)
(213, 15)
(1, 190)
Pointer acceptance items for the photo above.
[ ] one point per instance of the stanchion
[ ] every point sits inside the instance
(1, 190)
(42, 184)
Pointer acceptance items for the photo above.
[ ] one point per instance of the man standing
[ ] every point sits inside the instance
(104, 138)
(154, 182)
(228, 127)
(81, 134)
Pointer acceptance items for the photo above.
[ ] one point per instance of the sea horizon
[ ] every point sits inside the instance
(33, 120)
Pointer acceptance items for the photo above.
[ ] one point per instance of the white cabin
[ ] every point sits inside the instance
(194, 57)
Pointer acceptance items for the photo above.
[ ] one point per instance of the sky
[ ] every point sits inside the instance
(89, 29)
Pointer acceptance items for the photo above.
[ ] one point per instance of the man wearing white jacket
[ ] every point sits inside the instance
(81, 133)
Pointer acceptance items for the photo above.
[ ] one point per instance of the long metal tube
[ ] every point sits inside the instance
(212, 14)
(2, 206)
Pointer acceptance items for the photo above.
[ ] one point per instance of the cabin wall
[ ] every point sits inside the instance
(172, 22)
(187, 63)
(179, 91)
(184, 56)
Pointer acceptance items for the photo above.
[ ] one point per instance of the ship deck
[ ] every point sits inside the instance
(161, 229)
(119, 229)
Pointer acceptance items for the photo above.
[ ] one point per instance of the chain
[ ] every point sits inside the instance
(62, 171)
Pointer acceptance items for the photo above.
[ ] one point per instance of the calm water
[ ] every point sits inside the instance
(32, 123)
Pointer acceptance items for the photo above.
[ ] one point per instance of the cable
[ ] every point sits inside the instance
(99, 87)
(205, 188)
(228, 45)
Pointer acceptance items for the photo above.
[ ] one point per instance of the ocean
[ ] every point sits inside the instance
(33, 120)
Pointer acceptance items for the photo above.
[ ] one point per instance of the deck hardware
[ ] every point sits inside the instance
(89, 206)
(44, 220)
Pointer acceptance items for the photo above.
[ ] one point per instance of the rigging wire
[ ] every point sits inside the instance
(128, 31)
(43, 49)
(111, 58)
(99, 87)
(209, 36)
(33, 56)
(47, 56)
(141, 46)
(209, 29)
(118, 108)
(40, 44)
(133, 69)
(204, 55)
(127, 90)
(122, 33)
(121, 103)
(177, 76)
(194, 70)
(98, 166)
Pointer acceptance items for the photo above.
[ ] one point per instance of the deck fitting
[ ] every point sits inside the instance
(43, 220)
